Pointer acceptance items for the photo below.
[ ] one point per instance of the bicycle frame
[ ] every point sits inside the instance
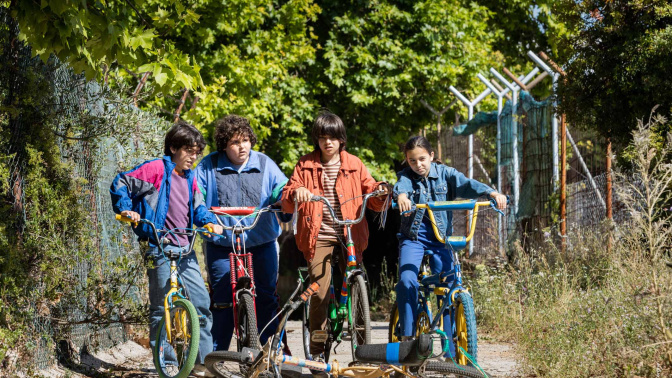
(273, 357)
(175, 282)
(339, 312)
(240, 262)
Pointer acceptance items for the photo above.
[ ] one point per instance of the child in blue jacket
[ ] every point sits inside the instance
(422, 181)
(165, 192)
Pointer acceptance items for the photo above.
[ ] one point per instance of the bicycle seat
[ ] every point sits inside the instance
(408, 353)
(457, 242)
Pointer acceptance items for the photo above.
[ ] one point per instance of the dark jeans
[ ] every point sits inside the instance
(265, 266)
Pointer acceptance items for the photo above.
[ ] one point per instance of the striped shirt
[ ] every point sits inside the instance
(328, 230)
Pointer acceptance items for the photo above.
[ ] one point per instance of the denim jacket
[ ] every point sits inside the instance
(442, 184)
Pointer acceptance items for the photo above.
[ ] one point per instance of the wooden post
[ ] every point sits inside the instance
(563, 183)
(515, 79)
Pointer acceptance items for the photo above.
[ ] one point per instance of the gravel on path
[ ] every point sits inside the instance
(130, 360)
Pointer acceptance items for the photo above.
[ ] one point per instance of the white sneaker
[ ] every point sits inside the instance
(200, 371)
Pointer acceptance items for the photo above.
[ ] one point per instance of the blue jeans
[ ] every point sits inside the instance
(265, 267)
(194, 286)
(411, 253)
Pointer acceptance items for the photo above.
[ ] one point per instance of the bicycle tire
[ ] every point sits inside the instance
(185, 335)
(440, 369)
(305, 322)
(465, 328)
(227, 364)
(248, 336)
(359, 319)
(393, 326)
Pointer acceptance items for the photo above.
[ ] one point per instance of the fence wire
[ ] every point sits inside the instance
(82, 115)
(538, 211)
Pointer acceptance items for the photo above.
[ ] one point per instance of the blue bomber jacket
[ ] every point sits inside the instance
(442, 184)
(145, 189)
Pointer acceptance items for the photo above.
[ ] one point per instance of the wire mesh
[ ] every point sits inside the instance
(80, 114)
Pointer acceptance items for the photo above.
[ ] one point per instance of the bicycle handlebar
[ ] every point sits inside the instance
(241, 212)
(160, 241)
(452, 206)
(348, 222)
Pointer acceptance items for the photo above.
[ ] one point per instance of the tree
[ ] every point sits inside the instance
(380, 58)
(277, 62)
(618, 64)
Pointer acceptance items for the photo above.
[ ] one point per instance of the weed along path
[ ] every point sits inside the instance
(130, 360)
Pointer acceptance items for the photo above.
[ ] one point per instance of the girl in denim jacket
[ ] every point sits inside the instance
(422, 181)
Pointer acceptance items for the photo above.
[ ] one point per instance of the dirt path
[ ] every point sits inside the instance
(131, 360)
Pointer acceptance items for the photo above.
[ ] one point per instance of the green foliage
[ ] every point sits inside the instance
(380, 58)
(617, 64)
(277, 62)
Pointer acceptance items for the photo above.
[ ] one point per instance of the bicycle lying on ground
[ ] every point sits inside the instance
(453, 297)
(410, 358)
(178, 333)
(242, 275)
(353, 304)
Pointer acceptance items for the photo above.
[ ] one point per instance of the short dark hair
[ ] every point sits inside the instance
(230, 126)
(328, 123)
(180, 135)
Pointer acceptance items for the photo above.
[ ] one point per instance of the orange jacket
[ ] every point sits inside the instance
(353, 180)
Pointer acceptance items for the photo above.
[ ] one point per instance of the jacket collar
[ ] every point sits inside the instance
(223, 162)
(170, 167)
(347, 163)
(433, 172)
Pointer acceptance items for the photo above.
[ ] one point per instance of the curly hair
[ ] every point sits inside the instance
(230, 126)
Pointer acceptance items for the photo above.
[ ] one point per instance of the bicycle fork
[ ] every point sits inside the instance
(168, 301)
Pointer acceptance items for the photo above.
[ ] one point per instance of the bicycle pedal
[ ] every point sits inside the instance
(319, 336)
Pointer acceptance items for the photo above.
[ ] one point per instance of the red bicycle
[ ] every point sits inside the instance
(242, 274)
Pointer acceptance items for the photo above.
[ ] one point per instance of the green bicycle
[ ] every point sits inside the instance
(353, 304)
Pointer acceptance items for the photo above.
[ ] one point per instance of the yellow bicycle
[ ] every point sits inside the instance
(178, 333)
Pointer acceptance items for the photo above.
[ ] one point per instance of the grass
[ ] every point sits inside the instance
(604, 306)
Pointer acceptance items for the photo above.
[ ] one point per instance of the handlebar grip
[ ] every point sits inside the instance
(309, 291)
(122, 218)
(210, 229)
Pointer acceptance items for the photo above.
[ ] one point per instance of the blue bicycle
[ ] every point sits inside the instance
(452, 296)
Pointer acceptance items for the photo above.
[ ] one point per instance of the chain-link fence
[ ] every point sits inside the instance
(97, 133)
(539, 198)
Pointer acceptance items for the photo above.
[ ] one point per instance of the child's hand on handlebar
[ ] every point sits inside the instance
(132, 215)
(384, 188)
(500, 199)
(302, 195)
(216, 229)
(405, 205)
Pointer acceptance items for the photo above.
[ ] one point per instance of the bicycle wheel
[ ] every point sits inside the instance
(248, 336)
(175, 358)
(393, 329)
(228, 364)
(305, 322)
(359, 320)
(441, 369)
(465, 328)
